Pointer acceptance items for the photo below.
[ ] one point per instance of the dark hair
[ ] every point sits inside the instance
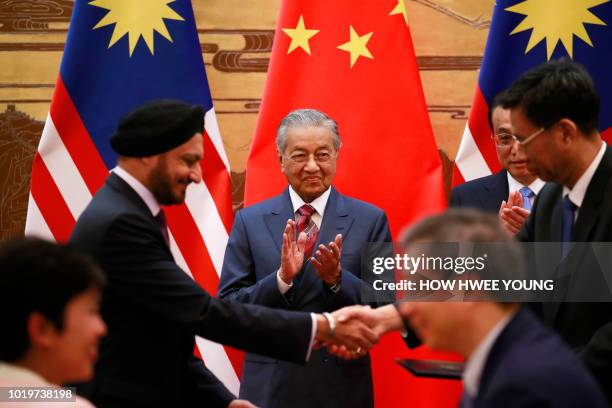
(497, 102)
(553, 91)
(468, 232)
(38, 276)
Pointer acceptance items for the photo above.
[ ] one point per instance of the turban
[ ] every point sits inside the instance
(157, 127)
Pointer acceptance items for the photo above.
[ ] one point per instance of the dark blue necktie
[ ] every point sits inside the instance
(466, 401)
(569, 210)
(527, 194)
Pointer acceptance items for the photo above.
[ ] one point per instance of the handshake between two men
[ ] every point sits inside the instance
(353, 330)
(348, 332)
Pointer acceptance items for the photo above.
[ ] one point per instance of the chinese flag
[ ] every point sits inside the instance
(354, 61)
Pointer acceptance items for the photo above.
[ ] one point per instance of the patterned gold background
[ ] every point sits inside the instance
(236, 36)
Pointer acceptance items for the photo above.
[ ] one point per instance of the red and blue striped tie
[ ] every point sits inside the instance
(307, 225)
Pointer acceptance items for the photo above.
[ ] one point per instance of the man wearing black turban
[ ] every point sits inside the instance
(152, 308)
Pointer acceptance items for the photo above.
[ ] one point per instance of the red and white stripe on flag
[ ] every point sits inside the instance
(476, 156)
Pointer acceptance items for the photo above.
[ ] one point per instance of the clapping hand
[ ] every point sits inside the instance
(512, 215)
(240, 403)
(292, 252)
(327, 261)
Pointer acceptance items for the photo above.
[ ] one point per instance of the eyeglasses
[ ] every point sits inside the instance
(508, 139)
(319, 157)
(503, 140)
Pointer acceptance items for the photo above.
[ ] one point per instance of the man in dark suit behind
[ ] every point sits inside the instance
(513, 185)
(555, 116)
(511, 359)
(152, 308)
(324, 278)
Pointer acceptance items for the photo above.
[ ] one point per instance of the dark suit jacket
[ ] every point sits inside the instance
(528, 366)
(153, 311)
(577, 323)
(484, 193)
(251, 262)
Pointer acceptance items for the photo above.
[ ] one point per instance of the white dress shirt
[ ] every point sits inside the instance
(318, 204)
(140, 189)
(576, 194)
(474, 366)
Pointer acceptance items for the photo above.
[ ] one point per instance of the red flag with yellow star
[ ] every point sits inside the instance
(354, 60)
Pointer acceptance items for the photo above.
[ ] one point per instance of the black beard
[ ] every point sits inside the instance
(161, 186)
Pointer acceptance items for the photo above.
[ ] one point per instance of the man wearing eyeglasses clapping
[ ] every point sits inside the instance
(512, 187)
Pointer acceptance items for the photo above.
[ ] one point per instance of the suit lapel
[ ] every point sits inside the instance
(119, 185)
(587, 216)
(497, 188)
(557, 221)
(336, 220)
(590, 210)
(492, 191)
(511, 337)
(551, 309)
(276, 219)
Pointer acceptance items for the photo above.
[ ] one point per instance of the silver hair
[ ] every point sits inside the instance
(306, 118)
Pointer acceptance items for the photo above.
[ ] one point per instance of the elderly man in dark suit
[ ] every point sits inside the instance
(555, 116)
(152, 308)
(334, 229)
(514, 185)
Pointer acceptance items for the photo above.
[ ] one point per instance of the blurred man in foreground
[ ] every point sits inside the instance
(152, 308)
(511, 359)
(49, 302)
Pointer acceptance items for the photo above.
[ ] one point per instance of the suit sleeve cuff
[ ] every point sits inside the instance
(282, 286)
(408, 334)
(313, 332)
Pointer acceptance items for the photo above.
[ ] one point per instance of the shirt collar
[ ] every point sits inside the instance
(475, 365)
(318, 203)
(20, 375)
(514, 185)
(576, 194)
(140, 189)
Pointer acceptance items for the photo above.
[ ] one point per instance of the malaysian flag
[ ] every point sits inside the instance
(118, 55)
(524, 34)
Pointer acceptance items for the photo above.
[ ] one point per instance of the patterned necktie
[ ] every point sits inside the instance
(307, 225)
(527, 195)
(163, 226)
(569, 211)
